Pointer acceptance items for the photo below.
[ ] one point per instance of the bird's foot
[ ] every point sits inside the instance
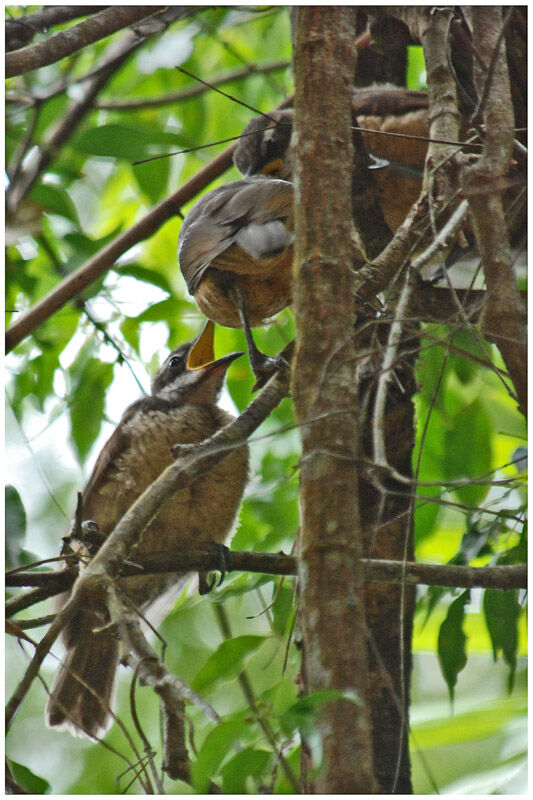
(225, 564)
(264, 367)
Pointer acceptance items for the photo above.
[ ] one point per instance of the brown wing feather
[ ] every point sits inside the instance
(115, 445)
(210, 228)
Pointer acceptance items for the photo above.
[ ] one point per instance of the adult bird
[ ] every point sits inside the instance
(182, 408)
(265, 147)
(235, 251)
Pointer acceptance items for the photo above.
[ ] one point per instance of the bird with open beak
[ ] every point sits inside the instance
(181, 409)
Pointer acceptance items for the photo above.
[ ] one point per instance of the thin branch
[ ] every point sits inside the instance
(499, 577)
(249, 695)
(390, 354)
(194, 91)
(65, 43)
(153, 672)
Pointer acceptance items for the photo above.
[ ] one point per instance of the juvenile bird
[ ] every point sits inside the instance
(236, 251)
(182, 408)
(265, 147)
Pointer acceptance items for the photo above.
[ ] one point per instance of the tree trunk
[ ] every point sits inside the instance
(325, 397)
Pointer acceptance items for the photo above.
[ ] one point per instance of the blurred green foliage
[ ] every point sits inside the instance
(68, 382)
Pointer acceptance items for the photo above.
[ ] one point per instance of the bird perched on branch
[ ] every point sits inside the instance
(236, 252)
(265, 147)
(182, 408)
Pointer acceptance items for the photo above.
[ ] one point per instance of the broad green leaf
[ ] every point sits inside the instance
(302, 715)
(87, 405)
(468, 450)
(502, 610)
(55, 200)
(128, 142)
(152, 178)
(452, 642)
(213, 751)
(162, 311)
(146, 275)
(249, 763)
(32, 783)
(226, 660)
(15, 521)
(416, 68)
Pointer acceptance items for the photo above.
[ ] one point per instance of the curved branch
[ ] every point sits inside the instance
(194, 91)
(65, 43)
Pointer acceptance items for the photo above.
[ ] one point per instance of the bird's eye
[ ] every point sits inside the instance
(174, 362)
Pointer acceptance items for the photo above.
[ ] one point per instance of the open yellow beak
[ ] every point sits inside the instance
(202, 352)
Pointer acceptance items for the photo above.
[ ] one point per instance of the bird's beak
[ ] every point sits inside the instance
(273, 167)
(202, 353)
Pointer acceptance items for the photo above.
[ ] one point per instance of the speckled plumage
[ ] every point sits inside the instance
(183, 410)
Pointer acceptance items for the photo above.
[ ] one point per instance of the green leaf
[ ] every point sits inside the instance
(226, 660)
(146, 275)
(159, 312)
(87, 405)
(468, 450)
(127, 142)
(302, 715)
(55, 200)
(152, 178)
(452, 642)
(212, 753)
(502, 611)
(32, 783)
(15, 521)
(249, 763)
(416, 67)
(282, 608)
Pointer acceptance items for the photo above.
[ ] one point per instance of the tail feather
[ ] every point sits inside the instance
(82, 691)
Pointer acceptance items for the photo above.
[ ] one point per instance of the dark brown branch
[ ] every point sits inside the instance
(65, 43)
(193, 91)
(497, 577)
(21, 30)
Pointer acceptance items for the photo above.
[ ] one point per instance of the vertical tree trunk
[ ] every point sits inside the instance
(332, 602)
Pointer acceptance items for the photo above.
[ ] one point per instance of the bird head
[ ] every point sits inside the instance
(263, 148)
(191, 374)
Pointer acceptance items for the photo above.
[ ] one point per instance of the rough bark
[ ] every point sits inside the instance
(331, 575)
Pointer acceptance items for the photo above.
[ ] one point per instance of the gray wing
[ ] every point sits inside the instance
(240, 213)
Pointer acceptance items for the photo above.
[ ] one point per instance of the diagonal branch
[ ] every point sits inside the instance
(21, 30)
(65, 43)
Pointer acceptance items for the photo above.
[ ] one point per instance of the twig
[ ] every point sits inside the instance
(395, 335)
(440, 241)
(193, 91)
(153, 672)
(249, 695)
